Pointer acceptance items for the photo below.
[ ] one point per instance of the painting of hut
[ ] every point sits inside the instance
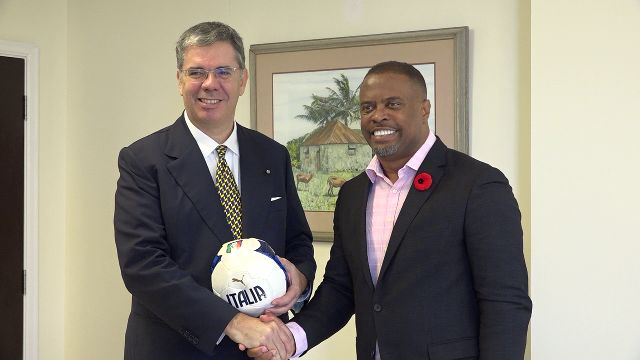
(334, 147)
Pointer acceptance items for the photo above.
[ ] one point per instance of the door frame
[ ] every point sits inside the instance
(30, 54)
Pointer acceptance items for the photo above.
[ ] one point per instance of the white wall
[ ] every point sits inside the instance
(120, 85)
(44, 24)
(585, 193)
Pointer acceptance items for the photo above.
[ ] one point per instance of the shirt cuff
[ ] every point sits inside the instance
(300, 337)
(297, 306)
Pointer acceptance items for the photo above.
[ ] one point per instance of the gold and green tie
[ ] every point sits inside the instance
(229, 194)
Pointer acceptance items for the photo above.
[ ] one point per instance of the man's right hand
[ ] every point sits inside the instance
(268, 334)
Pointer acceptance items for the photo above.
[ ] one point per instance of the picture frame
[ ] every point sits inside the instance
(444, 50)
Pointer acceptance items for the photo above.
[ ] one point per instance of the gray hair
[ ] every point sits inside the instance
(207, 33)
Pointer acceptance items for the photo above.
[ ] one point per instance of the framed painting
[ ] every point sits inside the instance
(304, 94)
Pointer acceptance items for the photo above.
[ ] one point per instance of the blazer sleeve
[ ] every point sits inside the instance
(148, 270)
(493, 235)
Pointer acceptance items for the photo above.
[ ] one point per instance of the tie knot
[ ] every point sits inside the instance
(221, 150)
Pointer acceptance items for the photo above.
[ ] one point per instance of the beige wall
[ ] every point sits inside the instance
(585, 194)
(108, 78)
(44, 24)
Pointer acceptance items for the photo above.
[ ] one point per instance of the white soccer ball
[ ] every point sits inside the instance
(248, 275)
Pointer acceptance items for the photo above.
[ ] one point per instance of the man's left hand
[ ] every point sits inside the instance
(297, 284)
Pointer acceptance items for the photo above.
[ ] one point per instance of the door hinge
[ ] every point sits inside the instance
(24, 108)
(24, 282)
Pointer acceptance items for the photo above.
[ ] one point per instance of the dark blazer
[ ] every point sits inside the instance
(169, 224)
(453, 283)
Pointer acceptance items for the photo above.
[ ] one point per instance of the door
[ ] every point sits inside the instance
(12, 115)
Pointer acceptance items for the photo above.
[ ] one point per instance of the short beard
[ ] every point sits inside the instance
(384, 151)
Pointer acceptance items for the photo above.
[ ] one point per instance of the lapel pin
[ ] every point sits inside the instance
(422, 181)
(268, 171)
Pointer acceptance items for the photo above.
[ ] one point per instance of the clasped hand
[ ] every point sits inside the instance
(264, 338)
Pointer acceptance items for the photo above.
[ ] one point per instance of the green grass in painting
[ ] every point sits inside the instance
(315, 196)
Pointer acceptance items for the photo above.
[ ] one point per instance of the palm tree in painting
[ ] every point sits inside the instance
(341, 104)
(344, 101)
(317, 111)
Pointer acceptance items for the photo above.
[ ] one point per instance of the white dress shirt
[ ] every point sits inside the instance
(208, 147)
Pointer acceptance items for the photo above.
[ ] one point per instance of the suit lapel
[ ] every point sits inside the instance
(190, 171)
(434, 165)
(255, 183)
(360, 199)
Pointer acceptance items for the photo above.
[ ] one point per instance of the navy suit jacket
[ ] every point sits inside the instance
(453, 282)
(169, 224)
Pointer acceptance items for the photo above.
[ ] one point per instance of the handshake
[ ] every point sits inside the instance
(263, 338)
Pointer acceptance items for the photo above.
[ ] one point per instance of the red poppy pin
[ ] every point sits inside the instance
(422, 181)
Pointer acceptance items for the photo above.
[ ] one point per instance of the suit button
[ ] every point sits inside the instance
(377, 307)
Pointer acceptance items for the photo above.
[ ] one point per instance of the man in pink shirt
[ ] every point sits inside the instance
(427, 250)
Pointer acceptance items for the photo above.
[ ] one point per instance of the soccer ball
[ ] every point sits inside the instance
(248, 275)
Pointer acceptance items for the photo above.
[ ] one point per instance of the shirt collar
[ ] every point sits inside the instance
(374, 169)
(207, 145)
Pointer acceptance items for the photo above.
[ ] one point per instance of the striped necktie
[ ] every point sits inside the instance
(229, 194)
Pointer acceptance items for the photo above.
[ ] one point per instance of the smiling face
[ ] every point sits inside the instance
(393, 116)
(211, 104)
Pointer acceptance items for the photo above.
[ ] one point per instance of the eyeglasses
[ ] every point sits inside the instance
(221, 73)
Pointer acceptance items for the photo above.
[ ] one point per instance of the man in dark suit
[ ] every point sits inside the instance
(428, 243)
(170, 223)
